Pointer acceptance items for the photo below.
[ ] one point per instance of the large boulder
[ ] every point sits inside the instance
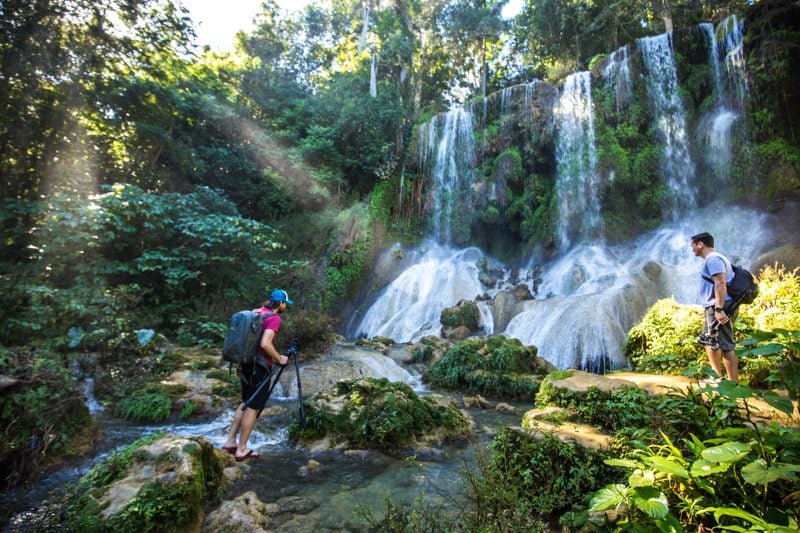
(787, 256)
(344, 361)
(460, 321)
(247, 513)
(155, 481)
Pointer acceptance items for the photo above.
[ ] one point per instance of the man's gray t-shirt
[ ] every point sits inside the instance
(715, 263)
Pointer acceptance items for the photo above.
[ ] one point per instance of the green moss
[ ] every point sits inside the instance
(378, 413)
(497, 366)
(156, 507)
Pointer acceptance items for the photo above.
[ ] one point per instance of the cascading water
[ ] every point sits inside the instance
(597, 293)
(576, 158)
(589, 297)
(411, 305)
(716, 128)
(677, 168)
(448, 143)
(617, 75)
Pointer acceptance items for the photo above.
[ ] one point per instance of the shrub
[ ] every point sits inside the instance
(664, 341)
(378, 413)
(497, 366)
(528, 478)
(152, 406)
(43, 416)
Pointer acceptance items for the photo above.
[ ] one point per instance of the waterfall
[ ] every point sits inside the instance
(617, 76)
(576, 159)
(596, 293)
(730, 32)
(411, 305)
(373, 77)
(449, 142)
(716, 128)
(677, 168)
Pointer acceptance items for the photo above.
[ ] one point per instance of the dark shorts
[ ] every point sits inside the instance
(725, 336)
(252, 377)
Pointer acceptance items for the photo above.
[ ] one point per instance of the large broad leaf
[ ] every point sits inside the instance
(642, 478)
(608, 497)
(666, 466)
(781, 403)
(669, 524)
(731, 389)
(758, 473)
(730, 452)
(651, 501)
(626, 463)
(701, 468)
(769, 349)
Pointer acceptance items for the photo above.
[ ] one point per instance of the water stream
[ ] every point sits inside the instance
(343, 484)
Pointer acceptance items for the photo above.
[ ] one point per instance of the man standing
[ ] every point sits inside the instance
(253, 376)
(717, 334)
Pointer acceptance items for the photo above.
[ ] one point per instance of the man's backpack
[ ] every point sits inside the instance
(244, 337)
(742, 289)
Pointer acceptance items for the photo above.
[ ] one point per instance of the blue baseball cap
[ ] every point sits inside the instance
(280, 296)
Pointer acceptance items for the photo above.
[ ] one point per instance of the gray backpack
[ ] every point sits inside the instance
(244, 338)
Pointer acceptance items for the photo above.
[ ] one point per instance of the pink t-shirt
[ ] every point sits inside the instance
(273, 322)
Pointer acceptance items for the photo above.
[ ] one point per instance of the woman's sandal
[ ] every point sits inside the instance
(249, 455)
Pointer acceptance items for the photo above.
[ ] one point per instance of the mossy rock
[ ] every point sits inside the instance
(462, 314)
(378, 413)
(496, 366)
(157, 483)
(601, 401)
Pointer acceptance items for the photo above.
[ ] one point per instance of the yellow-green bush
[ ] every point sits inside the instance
(664, 341)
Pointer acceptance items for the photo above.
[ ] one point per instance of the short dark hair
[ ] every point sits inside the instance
(705, 237)
(271, 304)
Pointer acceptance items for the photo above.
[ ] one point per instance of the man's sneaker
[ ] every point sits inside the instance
(708, 340)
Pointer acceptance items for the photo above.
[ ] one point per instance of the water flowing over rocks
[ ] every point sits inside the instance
(344, 361)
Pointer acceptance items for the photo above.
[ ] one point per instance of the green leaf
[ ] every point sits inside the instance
(625, 463)
(669, 524)
(730, 452)
(701, 468)
(732, 389)
(758, 473)
(666, 466)
(642, 478)
(781, 403)
(652, 502)
(608, 497)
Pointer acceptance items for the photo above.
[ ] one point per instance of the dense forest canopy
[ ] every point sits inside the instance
(142, 175)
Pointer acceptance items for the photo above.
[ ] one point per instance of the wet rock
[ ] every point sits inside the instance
(787, 256)
(505, 408)
(187, 471)
(464, 314)
(430, 349)
(477, 401)
(458, 333)
(309, 468)
(652, 270)
(243, 514)
(344, 361)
